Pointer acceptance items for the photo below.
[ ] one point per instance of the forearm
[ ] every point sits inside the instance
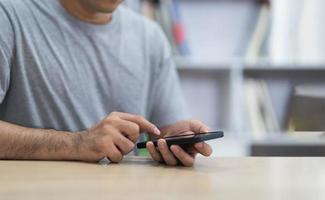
(18, 142)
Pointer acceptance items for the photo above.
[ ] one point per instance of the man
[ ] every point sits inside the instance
(67, 64)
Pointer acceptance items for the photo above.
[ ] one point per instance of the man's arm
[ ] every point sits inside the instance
(112, 137)
(18, 142)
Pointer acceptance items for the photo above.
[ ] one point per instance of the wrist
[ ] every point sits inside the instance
(77, 145)
(82, 147)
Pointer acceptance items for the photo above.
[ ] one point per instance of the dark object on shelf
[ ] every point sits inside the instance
(307, 109)
(311, 150)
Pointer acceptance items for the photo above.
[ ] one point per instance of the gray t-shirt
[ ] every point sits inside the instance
(61, 73)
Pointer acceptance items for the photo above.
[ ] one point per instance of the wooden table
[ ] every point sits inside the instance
(139, 178)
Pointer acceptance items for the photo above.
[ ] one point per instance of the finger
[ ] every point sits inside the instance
(114, 154)
(156, 156)
(166, 153)
(191, 150)
(145, 125)
(124, 144)
(129, 129)
(203, 148)
(198, 127)
(185, 158)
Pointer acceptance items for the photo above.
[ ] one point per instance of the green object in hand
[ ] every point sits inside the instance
(144, 152)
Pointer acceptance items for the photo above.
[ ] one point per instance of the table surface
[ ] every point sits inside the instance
(140, 178)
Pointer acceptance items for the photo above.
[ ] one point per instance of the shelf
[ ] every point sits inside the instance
(289, 145)
(261, 65)
(292, 139)
(284, 67)
(186, 63)
(265, 63)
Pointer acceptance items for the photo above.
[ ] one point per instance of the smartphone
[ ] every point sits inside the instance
(185, 140)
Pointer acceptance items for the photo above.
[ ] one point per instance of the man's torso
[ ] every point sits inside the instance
(67, 74)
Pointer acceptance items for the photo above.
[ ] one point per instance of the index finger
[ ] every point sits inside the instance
(145, 125)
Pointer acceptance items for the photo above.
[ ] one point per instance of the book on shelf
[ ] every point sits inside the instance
(212, 30)
(167, 14)
(297, 34)
(261, 117)
(178, 28)
(307, 108)
(257, 46)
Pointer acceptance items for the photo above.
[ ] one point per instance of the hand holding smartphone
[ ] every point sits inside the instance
(185, 140)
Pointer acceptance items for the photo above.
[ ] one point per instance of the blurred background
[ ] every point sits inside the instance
(253, 68)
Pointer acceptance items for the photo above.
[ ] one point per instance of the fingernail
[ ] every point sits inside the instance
(160, 142)
(156, 131)
(148, 143)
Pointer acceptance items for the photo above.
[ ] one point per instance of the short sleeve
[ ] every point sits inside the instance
(6, 51)
(168, 104)
(4, 75)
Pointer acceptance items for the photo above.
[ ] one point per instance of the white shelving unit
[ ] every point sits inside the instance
(231, 116)
(213, 77)
(236, 70)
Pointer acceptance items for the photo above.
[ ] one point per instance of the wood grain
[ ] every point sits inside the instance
(140, 178)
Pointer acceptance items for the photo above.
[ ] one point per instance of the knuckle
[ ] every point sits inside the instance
(127, 148)
(197, 125)
(131, 145)
(107, 129)
(195, 121)
(140, 118)
(111, 120)
(114, 113)
(117, 139)
(134, 133)
(134, 137)
(103, 144)
(130, 148)
(136, 128)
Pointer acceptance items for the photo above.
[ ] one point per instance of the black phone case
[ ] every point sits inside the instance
(186, 140)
